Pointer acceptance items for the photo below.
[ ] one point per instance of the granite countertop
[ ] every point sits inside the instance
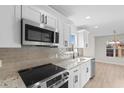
(70, 63)
(13, 80)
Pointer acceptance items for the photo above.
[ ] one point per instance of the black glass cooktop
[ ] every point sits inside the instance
(35, 74)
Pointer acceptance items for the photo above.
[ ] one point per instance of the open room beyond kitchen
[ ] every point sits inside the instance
(61, 46)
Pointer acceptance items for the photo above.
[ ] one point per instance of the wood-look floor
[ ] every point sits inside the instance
(107, 76)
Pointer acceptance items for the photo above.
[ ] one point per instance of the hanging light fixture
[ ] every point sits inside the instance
(115, 41)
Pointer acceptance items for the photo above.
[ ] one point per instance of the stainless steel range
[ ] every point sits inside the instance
(45, 76)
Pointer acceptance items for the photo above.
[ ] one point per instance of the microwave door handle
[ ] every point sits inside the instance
(54, 37)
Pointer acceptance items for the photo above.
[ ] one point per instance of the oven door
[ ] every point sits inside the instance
(65, 85)
(33, 34)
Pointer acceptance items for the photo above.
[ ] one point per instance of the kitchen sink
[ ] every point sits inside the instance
(81, 59)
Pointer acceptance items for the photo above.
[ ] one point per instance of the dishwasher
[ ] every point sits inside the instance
(92, 68)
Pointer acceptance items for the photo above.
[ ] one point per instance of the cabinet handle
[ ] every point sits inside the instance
(75, 79)
(66, 43)
(87, 70)
(42, 18)
(75, 70)
(45, 19)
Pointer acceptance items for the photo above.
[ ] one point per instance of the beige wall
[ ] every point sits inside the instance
(100, 50)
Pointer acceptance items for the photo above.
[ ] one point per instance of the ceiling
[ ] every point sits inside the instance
(101, 19)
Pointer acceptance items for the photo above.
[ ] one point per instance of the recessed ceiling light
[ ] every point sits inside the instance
(96, 27)
(87, 17)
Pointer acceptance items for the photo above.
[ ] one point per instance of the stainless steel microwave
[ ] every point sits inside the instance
(34, 34)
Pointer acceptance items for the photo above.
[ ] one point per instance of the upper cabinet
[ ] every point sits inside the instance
(10, 30)
(61, 35)
(10, 26)
(74, 35)
(49, 20)
(82, 39)
(68, 36)
(31, 13)
(40, 16)
(66, 33)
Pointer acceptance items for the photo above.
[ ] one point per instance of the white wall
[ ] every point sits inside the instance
(90, 50)
(100, 50)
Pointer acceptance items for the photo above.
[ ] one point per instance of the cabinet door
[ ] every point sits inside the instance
(31, 13)
(86, 33)
(10, 26)
(50, 21)
(66, 33)
(74, 76)
(74, 33)
(82, 38)
(83, 74)
(71, 75)
(88, 69)
(61, 36)
(73, 29)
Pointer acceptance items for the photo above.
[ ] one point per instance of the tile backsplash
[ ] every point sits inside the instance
(15, 59)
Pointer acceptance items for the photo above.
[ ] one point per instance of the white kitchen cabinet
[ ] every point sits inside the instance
(74, 77)
(82, 39)
(31, 13)
(74, 33)
(84, 73)
(50, 20)
(61, 35)
(89, 69)
(73, 29)
(66, 33)
(40, 16)
(10, 19)
(66, 30)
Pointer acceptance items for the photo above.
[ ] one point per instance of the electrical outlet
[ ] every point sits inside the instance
(0, 63)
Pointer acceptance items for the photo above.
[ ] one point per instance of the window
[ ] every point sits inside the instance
(115, 49)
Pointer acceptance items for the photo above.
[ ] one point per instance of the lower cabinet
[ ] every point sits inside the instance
(74, 77)
(84, 73)
(79, 75)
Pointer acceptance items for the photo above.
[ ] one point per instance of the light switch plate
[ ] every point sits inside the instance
(0, 63)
